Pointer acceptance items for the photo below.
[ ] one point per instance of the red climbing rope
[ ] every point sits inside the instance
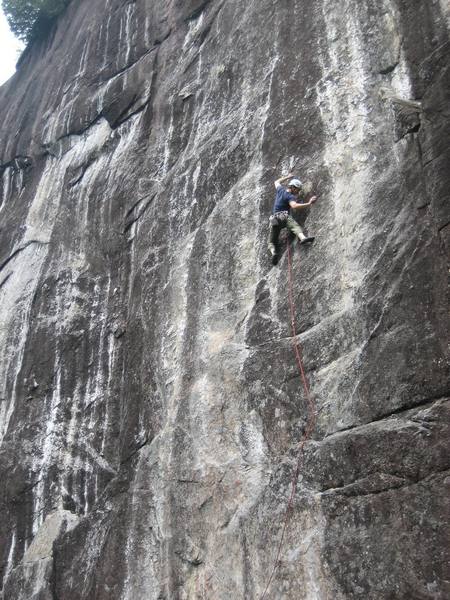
(311, 421)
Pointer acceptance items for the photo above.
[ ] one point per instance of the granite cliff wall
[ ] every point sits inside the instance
(150, 402)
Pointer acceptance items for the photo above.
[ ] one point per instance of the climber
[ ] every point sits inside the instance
(285, 199)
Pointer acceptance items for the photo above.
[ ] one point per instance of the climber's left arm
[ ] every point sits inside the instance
(279, 182)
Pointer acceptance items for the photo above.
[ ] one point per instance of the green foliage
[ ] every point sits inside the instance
(30, 19)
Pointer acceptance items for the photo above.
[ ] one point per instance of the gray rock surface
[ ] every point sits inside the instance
(150, 402)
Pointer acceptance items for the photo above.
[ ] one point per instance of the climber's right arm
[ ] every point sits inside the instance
(294, 204)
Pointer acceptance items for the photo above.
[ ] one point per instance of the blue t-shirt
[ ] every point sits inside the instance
(282, 199)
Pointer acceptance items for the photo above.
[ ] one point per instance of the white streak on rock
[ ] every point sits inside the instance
(6, 186)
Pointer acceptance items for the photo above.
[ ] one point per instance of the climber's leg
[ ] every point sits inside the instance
(296, 229)
(274, 234)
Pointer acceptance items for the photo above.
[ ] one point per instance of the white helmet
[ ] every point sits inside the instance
(295, 183)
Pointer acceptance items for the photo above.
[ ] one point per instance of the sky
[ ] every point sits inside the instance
(10, 49)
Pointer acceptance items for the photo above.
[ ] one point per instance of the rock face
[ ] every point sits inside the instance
(151, 406)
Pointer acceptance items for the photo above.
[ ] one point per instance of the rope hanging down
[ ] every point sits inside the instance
(310, 425)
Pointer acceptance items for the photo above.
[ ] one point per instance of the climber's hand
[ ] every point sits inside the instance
(313, 199)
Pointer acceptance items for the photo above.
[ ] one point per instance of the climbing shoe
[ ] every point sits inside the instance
(273, 254)
(307, 240)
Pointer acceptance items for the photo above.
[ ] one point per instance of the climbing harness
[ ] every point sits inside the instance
(310, 425)
(279, 218)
